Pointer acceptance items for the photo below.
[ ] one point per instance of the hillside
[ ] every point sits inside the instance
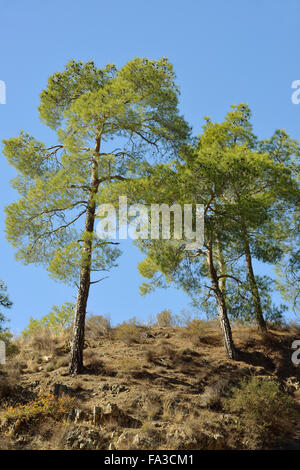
(152, 387)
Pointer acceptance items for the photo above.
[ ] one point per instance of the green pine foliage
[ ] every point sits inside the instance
(59, 319)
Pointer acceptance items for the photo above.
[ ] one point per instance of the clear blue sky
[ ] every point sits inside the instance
(224, 52)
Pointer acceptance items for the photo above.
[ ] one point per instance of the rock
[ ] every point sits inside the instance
(84, 438)
(147, 335)
(111, 414)
(136, 441)
(97, 414)
(79, 415)
(129, 440)
(71, 416)
(104, 387)
(46, 358)
(202, 441)
(117, 388)
(140, 442)
(76, 415)
(21, 440)
(114, 388)
(122, 441)
(292, 384)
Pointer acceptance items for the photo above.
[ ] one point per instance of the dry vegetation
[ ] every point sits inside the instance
(158, 387)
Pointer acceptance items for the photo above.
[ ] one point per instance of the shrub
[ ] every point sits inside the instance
(162, 352)
(45, 405)
(164, 318)
(212, 396)
(129, 332)
(170, 406)
(197, 330)
(97, 326)
(263, 410)
(41, 340)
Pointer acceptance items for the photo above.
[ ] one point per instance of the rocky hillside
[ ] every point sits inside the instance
(152, 388)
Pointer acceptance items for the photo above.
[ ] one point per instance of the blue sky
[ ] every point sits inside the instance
(224, 52)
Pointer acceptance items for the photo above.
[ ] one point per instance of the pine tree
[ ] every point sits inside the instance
(107, 123)
(244, 193)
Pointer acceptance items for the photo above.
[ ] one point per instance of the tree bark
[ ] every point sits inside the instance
(259, 317)
(222, 309)
(222, 268)
(76, 359)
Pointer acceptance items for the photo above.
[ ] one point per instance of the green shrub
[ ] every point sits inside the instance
(60, 318)
(263, 410)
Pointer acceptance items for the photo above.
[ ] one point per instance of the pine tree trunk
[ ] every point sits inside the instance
(222, 269)
(222, 309)
(76, 359)
(253, 286)
(226, 329)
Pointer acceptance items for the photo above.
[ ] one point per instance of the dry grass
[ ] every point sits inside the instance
(150, 356)
(44, 349)
(129, 367)
(170, 406)
(173, 384)
(44, 342)
(246, 335)
(152, 406)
